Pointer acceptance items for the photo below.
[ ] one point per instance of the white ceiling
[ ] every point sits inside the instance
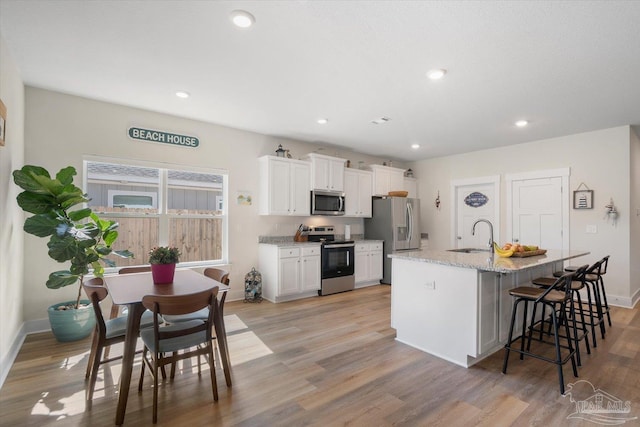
(566, 66)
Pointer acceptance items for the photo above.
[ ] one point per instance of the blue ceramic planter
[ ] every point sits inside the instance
(72, 325)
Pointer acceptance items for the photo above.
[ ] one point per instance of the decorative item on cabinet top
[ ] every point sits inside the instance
(280, 152)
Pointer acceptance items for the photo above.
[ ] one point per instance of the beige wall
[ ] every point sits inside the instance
(11, 218)
(61, 129)
(600, 159)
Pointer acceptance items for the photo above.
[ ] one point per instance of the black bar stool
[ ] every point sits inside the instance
(596, 305)
(556, 298)
(570, 314)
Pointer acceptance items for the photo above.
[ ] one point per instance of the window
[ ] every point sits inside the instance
(160, 206)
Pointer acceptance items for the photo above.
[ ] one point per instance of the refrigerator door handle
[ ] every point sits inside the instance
(410, 215)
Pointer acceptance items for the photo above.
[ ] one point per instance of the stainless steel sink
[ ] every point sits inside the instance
(469, 250)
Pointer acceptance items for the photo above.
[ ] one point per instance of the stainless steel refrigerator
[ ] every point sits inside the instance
(396, 220)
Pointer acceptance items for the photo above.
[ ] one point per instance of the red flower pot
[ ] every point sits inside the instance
(163, 273)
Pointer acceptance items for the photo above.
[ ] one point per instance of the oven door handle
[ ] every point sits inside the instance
(339, 245)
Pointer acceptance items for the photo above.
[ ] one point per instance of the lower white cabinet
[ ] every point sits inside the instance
(289, 272)
(368, 263)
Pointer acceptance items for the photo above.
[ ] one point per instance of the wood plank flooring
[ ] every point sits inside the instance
(326, 361)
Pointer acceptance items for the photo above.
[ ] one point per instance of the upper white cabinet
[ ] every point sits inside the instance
(386, 179)
(358, 189)
(411, 185)
(327, 173)
(284, 186)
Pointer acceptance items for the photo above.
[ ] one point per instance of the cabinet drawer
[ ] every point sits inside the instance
(311, 250)
(375, 246)
(362, 247)
(289, 252)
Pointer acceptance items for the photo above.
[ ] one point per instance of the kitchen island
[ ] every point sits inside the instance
(457, 305)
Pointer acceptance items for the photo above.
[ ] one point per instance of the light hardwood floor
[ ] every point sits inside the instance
(326, 361)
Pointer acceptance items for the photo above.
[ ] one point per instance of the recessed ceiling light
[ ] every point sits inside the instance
(242, 18)
(415, 146)
(381, 120)
(182, 94)
(436, 74)
(322, 121)
(522, 123)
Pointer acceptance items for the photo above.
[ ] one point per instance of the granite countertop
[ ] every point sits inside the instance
(483, 260)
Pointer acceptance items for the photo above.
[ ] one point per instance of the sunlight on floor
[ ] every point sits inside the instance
(233, 323)
(244, 346)
(60, 409)
(72, 361)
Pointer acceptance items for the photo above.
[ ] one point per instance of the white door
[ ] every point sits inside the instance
(476, 201)
(537, 212)
(538, 208)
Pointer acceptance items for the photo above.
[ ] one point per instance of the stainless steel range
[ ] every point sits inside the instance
(337, 258)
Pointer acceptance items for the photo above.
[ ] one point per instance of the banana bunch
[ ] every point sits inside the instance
(504, 253)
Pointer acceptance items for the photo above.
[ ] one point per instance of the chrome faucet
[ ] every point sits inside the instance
(473, 232)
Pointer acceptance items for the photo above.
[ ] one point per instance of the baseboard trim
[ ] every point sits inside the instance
(8, 360)
(624, 302)
(28, 327)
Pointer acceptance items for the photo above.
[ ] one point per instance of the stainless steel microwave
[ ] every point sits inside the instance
(327, 203)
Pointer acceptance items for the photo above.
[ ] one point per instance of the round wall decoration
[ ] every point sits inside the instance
(475, 200)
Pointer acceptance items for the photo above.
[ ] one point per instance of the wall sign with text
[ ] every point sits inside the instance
(475, 200)
(162, 137)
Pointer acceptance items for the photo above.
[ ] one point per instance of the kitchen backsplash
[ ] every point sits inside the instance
(287, 239)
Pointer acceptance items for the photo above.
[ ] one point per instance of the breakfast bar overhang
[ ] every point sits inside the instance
(457, 306)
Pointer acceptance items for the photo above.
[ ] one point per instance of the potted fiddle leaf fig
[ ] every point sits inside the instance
(76, 235)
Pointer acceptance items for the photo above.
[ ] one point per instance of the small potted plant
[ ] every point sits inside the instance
(163, 260)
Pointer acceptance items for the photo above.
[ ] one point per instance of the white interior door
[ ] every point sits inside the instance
(537, 212)
(476, 199)
(538, 209)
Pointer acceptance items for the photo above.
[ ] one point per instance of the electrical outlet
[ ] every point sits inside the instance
(592, 229)
(430, 284)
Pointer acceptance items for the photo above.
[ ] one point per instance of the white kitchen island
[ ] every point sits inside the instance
(457, 305)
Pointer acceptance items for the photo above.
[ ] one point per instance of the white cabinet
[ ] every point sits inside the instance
(358, 189)
(289, 272)
(386, 179)
(311, 274)
(411, 185)
(368, 263)
(327, 173)
(284, 186)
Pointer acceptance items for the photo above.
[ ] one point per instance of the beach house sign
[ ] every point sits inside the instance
(162, 137)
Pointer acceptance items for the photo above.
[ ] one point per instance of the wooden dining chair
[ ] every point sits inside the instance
(162, 344)
(115, 309)
(219, 275)
(106, 332)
